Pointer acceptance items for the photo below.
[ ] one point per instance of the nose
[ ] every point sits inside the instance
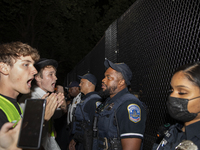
(55, 77)
(103, 80)
(34, 71)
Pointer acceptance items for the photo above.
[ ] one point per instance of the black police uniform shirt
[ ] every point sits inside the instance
(91, 105)
(89, 108)
(129, 128)
(3, 118)
(175, 135)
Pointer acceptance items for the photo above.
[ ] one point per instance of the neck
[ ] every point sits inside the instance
(6, 90)
(88, 91)
(117, 91)
(40, 86)
(192, 121)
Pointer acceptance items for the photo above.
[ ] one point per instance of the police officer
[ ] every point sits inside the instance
(119, 123)
(84, 113)
(184, 105)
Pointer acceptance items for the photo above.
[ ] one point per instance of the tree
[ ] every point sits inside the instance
(64, 30)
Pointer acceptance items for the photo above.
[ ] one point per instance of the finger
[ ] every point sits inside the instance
(17, 127)
(6, 127)
(45, 95)
(52, 99)
(60, 96)
(50, 108)
(59, 104)
(54, 102)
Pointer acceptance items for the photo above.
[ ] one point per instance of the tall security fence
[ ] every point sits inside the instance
(153, 38)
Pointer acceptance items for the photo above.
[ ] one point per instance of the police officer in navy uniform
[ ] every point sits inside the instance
(183, 105)
(84, 113)
(119, 122)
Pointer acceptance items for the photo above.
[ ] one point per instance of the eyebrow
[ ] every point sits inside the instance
(52, 72)
(107, 75)
(182, 86)
(27, 61)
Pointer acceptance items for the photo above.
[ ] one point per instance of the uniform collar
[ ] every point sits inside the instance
(192, 130)
(119, 94)
(87, 95)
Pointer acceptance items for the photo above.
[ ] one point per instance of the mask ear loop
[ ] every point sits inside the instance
(194, 98)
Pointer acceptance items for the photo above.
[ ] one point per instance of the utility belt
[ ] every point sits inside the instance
(110, 144)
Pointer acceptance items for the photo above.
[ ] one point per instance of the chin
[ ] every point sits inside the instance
(25, 92)
(51, 90)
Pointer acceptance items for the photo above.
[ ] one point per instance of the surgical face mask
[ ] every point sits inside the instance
(177, 108)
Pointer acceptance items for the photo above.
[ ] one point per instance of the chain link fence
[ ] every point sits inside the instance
(153, 38)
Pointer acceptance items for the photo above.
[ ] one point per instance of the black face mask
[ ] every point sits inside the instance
(177, 108)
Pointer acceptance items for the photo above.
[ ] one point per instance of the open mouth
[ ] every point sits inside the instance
(29, 82)
(103, 86)
(53, 84)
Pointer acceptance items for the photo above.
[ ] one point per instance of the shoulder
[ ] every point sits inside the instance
(24, 97)
(131, 102)
(133, 109)
(35, 95)
(92, 98)
(175, 128)
(93, 103)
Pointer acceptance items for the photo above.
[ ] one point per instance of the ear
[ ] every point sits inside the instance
(37, 78)
(89, 83)
(4, 68)
(121, 82)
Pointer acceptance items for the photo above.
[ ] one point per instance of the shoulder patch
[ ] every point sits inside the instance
(98, 103)
(134, 113)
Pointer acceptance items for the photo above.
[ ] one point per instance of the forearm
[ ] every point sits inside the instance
(131, 143)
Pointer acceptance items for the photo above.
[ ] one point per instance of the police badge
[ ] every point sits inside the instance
(134, 113)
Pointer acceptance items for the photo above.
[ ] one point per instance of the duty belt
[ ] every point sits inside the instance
(110, 144)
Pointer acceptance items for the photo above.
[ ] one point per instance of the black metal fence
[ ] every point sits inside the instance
(153, 38)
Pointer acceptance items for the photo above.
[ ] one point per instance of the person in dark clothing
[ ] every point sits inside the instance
(84, 113)
(120, 121)
(183, 105)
